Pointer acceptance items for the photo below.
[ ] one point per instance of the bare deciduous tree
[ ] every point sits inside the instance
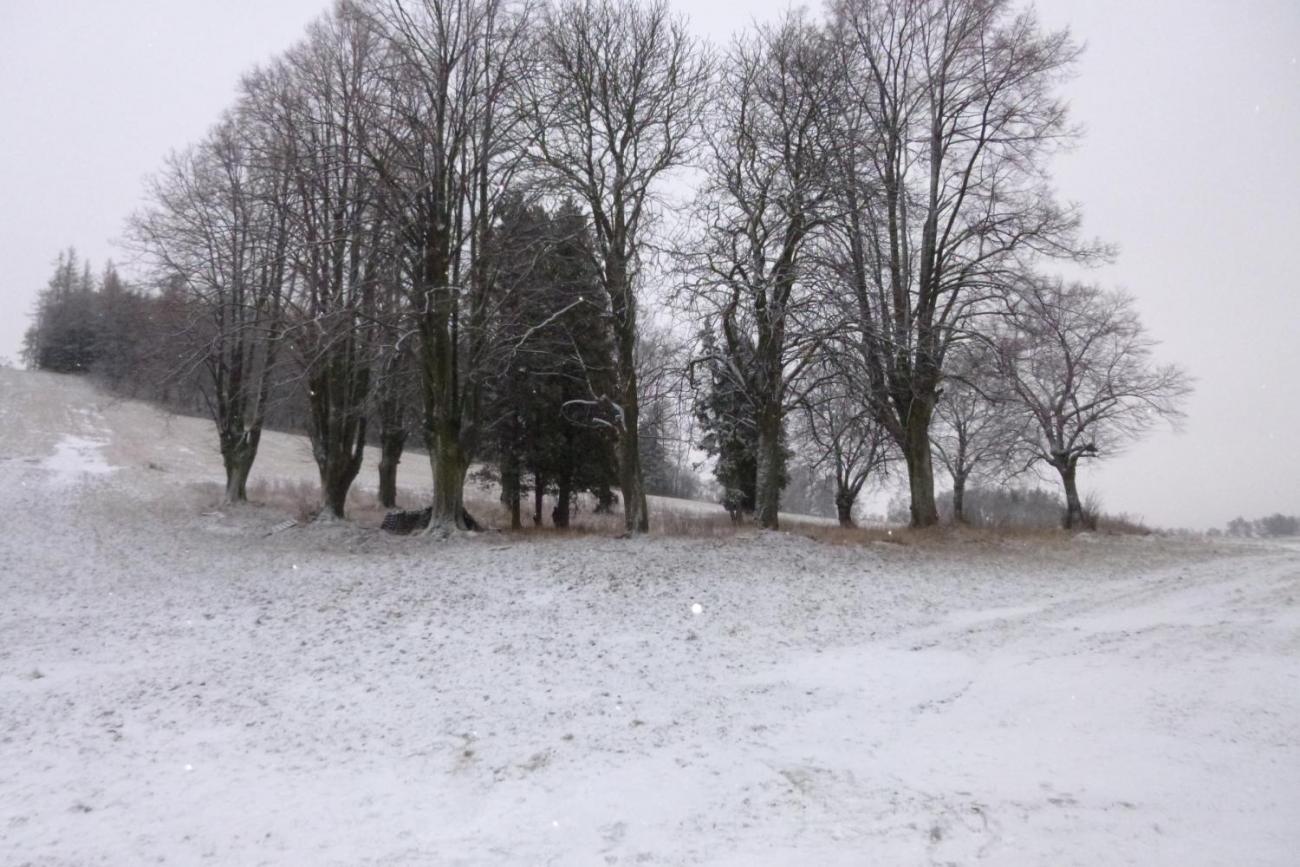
(946, 119)
(448, 150)
(214, 231)
(852, 445)
(765, 195)
(979, 428)
(319, 105)
(616, 103)
(395, 389)
(1079, 360)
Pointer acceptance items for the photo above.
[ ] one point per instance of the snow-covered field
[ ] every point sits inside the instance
(177, 686)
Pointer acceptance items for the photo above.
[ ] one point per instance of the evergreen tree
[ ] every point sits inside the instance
(63, 337)
(729, 421)
(553, 358)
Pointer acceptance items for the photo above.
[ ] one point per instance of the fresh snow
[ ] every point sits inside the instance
(178, 686)
(73, 458)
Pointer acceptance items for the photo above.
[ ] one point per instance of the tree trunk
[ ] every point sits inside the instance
(391, 444)
(340, 468)
(440, 381)
(1073, 505)
(334, 492)
(449, 467)
(920, 469)
(636, 516)
(844, 504)
(636, 513)
(237, 454)
(539, 494)
(768, 489)
(734, 502)
(336, 425)
(237, 482)
(560, 514)
(510, 490)
(958, 495)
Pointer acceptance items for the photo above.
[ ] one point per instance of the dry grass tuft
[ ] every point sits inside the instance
(1122, 525)
(301, 500)
(836, 535)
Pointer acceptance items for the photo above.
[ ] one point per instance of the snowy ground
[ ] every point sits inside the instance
(177, 686)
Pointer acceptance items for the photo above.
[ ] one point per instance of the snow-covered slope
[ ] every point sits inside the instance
(177, 685)
(185, 448)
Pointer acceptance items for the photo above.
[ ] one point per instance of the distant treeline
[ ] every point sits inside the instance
(154, 345)
(1269, 527)
(136, 343)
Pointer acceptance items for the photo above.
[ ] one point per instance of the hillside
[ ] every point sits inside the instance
(180, 685)
(49, 409)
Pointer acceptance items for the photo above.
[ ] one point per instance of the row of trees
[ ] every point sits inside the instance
(865, 253)
(369, 206)
(455, 209)
(1275, 525)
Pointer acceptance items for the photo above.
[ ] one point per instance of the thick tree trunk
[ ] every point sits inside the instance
(238, 454)
(237, 482)
(391, 444)
(334, 492)
(920, 468)
(844, 504)
(336, 422)
(1073, 505)
(768, 489)
(339, 470)
(440, 380)
(336, 480)
(338, 458)
(449, 467)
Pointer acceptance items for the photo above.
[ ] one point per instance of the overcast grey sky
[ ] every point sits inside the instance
(1191, 165)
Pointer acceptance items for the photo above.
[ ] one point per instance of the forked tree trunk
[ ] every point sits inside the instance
(338, 473)
(920, 467)
(767, 504)
(237, 455)
(338, 441)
